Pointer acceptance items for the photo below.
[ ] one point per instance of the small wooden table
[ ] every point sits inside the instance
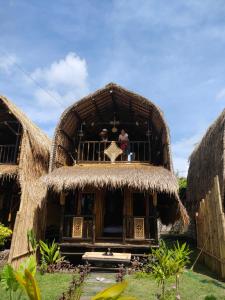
(96, 257)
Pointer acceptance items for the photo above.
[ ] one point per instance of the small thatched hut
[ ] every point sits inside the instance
(105, 192)
(206, 162)
(24, 157)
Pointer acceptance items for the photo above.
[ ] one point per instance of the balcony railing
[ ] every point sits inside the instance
(8, 154)
(88, 225)
(93, 151)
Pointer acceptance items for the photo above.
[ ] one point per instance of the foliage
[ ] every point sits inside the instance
(50, 254)
(29, 284)
(163, 267)
(5, 233)
(181, 257)
(8, 279)
(182, 187)
(32, 241)
(169, 263)
(22, 279)
(114, 292)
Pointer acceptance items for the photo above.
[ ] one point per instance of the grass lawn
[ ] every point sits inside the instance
(193, 286)
(51, 286)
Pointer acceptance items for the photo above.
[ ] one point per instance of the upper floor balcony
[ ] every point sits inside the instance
(112, 151)
(8, 154)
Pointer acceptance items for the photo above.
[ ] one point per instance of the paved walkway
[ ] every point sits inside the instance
(96, 282)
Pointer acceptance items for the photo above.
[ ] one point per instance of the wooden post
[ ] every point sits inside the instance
(93, 237)
(155, 200)
(147, 199)
(62, 203)
(124, 229)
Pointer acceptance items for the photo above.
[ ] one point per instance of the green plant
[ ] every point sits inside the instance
(163, 267)
(50, 254)
(182, 187)
(21, 280)
(5, 233)
(181, 256)
(32, 241)
(114, 292)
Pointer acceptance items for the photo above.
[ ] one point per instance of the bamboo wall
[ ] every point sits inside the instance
(210, 227)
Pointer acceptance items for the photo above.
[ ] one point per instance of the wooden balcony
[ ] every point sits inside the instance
(8, 154)
(93, 151)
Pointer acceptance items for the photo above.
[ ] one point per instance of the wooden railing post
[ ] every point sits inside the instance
(94, 227)
(124, 229)
(62, 203)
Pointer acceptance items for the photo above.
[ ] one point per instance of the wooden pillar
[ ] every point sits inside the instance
(155, 200)
(94, 227)
(147, 231)
(62, 204)
(125, 212)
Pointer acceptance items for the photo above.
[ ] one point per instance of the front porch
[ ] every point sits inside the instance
(97, 219)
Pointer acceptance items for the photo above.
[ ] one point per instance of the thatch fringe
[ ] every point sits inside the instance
(8, 172)
(139, 176)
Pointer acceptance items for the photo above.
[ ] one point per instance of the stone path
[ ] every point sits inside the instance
(96, 282)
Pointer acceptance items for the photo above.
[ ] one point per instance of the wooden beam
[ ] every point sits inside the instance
(10, 127)
(66, 134)
(77, 116)
(114, 104)
(97, 110)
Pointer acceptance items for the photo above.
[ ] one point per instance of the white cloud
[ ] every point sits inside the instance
(182, 149)
(221, 94)
(7, 63)
(62, 82)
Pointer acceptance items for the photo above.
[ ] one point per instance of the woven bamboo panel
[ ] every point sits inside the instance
(77, 227)
(210, 226)
(139, 228)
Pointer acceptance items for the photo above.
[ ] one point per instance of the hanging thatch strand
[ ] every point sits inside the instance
(8, 172)
(32, 163)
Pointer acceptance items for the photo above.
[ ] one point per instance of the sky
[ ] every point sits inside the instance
(52, 53)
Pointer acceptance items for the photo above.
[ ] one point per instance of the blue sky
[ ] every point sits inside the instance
(172, 52)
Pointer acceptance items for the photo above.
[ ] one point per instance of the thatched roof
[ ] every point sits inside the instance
(33, 161)
(36, 140)
(139, 176)
(100, 106)
(8, 171)
(207, 161)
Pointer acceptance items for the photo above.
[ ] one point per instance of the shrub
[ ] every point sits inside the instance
(5, 233)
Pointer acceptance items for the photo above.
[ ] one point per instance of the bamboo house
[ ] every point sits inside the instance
(24, 157)
(206, 162)
(102, 193)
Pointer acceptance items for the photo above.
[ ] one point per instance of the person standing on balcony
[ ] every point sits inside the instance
(124, 141)
(104, 135)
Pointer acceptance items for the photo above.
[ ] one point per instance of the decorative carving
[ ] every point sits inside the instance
(139, 228)
(113, 151)
(77, 231)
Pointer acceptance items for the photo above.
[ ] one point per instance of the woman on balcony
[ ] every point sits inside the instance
(124, 141)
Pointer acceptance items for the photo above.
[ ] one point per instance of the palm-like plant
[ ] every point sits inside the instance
(50, 254)
(181, 256)
(163, 267)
